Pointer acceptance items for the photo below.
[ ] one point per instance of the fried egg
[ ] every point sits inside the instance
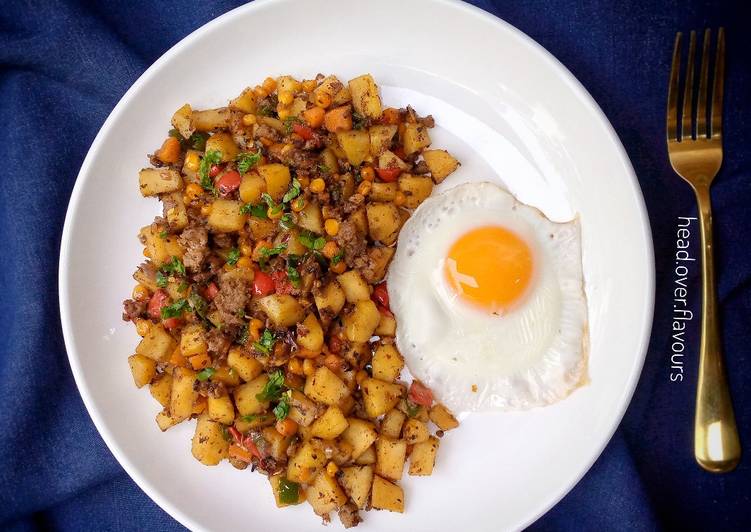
(489, 299)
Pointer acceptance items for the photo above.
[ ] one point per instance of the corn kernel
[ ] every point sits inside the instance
(249, 120)
(192, 161)
(295, 366)
(146, 253)
(364, 188)
(260, 92)
(308, 367)
(330, 249)
(339, 267)
(269, 84)
(331, 469)
(317, 185)
(298, 204)
(206, 209)
(141, 293)
(367, 173)
(245, 263)
(331, 226)
(309, 85)
(143, 327)
(400, 198)
(285, 97)
(246, 250)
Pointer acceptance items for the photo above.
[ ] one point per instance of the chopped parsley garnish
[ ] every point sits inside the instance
(294, 276)
(245, 161)
(273, 207)
(175, 266)
(198, 304)
(266, 110)
(289, 492)
(161, 279)
(205, 374)
(289, 122)
(282, 408)
(225, 433)
(175, 309)
(338, 257)
(286, 222)
(273, 389)
(182, 287)
(163, 235)
(412, 409)
(197, 141)
(323, 168)
(267, 253)
(293, 192)
(311, 241)
(252, 417)
(259, 211)
(265, 342)
(243, 335)
(358, 121)
(209, 159)
(233, 256)
(176, 134)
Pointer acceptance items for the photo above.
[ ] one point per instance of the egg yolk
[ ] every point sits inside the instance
(490, 267)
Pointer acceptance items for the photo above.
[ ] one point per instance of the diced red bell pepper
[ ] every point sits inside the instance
(388, 174)
(420, 394)
(381, 295)
(159, 300)
(172, 323)
(228, 182)
(304, 131)
(263, 284)
(214, 170)
(282, 284)
(210, 291)
(245, 441)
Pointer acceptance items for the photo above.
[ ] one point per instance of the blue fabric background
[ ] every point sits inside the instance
(65, 64)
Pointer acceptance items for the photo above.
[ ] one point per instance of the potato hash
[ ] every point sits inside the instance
(261, 303)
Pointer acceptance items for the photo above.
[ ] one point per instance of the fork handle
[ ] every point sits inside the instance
(717, 447)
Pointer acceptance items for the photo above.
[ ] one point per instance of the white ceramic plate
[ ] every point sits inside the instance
(509, 111)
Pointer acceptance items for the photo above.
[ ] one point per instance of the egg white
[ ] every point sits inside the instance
(532, 355)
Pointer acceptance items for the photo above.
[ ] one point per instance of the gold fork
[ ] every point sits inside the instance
(695, 149)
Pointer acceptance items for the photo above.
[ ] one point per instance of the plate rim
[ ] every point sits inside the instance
(471, 10)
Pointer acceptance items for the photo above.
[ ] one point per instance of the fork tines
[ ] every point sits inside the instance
(684, 128)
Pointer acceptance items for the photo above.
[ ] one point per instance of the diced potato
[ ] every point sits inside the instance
(360, 434)
(360, 220)
(224, 144)
(182, 121)
(295, 247)
(387, 363)
(251, 188)
(356, 481)
(182, 395)
(282, 309)
(160, 249)
(386, 327)
(313, 337)
(254, 422)
(226, 375)
(302, 410)
(192, 341)
(246, 102)
(329, 160)
(329, 301)
(354, 286)
(209, 446)
(143, 369)
(306, 461)
(287, 84)
(211, 119)
(310, 218)
(392, 422)
(379, 258)
(379, 397)
(440, 164)
(384, 221)
(247, 367)
(383, 191)
(191, 164)
(442, 417)
(330, 425)
(415, 431)
(362, 321)
(334, 88)
(273, 123)
(245, 396)
(165, 421)
(346, 405)
(325, 387)
(145, 279)
(277, 179)
(261, 227)
(177, 215)
(347, 185)
(153, 181)
(161, 389)
(225, 216)
(221, 409)
(390, 457)
(298, 106)
(415, 189)
(365, 97)
(389, 159)
(386, 495)
(368, 457)
(422, 458)
(276, 443)
(380, 139)
(356, 145)
(325, 494)
(415, 138)
(157, 344)
(275, 481)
